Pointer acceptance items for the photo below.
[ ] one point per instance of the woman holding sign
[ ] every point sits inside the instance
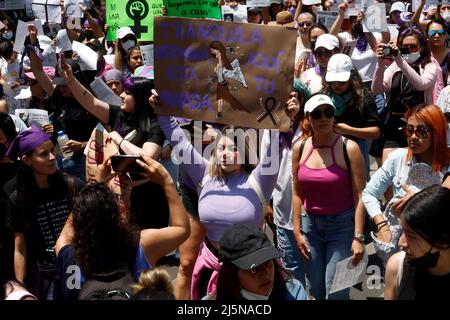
(226, 70)
(231, 189)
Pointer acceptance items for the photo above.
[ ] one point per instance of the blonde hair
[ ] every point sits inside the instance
(156, 279)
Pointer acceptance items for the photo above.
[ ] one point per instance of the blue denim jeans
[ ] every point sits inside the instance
(291, 257)
(330, 239)
(364, 147)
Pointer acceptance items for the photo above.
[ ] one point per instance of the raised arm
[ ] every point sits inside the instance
(159, 242)
(193, 161)
(298, 10)
(420, 82)
(36, 64)
(97, 31)
(93, 105)
(336, 27)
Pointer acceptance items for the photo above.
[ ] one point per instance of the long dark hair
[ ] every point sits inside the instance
(7, 126)
(427, 214)
(104, 241)
(228, 282)
(140, 118)
(219, 46)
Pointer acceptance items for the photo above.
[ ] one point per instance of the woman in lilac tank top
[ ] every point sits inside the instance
(331, 227)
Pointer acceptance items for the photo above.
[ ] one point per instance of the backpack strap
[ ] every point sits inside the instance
(347, 160)
(201, 184)
(302, 146)
(258, 190)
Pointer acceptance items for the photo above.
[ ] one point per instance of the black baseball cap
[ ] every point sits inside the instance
(246, 246)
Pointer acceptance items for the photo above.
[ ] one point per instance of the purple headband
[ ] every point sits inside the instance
(26, 141)
(113, 74)
(414, 30)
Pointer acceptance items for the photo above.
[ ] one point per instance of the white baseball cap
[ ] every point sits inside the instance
(123, 31)
(397, 6)
(339, 68)
(316, 101)
(311, 2)
(328, 41)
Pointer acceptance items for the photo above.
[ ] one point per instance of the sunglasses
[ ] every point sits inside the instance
(317, 113)
(303, 24)
(432, 33)
(337, 83)
(323, 53)
(409, 48)
(420, 131)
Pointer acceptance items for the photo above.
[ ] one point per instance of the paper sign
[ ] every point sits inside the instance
(147, 54)
(349, 47)
(87, 58)
(430, 3)
(22, 33)
(12, 4)
(375, 18)
(38, 117)
(393, 30)
(99, 147)
(193, 9)
(137, 14)
(62, 41)
(47, 10)
(236, 14)
(251, 83)
(347, 275)
(109, 59)
(104, 93)
(72, 8)
(258, 3)
(327, 18)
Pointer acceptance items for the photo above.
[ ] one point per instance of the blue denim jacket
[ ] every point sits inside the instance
(393, 173)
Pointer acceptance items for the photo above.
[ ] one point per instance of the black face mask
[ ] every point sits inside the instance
(357, 30)
(2, 151)
(89, 34)
(428, 260)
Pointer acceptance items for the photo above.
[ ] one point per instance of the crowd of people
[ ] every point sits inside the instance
(366, 161)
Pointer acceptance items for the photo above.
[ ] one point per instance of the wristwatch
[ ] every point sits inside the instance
(359, 236)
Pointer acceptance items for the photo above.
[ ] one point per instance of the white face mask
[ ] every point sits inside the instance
(446, 16)
(252, 296)
(128, 44)
(411, 57)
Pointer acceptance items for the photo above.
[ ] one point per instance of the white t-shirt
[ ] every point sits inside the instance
(365, 62)
(443, 102)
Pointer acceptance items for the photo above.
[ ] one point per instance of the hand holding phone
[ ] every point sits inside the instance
(126, 164)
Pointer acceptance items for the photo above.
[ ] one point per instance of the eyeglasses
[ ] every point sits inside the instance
(323, 53)
(338, 83)
(410, 48)
(317, 113)
(420, 131)
(432, 33)
(303, 24)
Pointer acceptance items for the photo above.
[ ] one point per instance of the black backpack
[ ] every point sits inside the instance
(115, 285)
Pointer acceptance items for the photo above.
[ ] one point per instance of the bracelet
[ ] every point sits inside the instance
(359, 240)
(381, 224)
(121, 142)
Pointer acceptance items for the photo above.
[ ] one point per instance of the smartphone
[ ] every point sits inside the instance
(126, 163)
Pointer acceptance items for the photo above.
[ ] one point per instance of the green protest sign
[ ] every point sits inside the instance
(193, 8)
(137, 14)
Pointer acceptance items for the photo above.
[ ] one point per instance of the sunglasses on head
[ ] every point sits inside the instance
(303, 24)
(317, 113)
(420, 131)
(432, 33)
(323, 53)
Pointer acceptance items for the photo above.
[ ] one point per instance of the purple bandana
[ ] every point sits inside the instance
(26, 141)
(361, 44)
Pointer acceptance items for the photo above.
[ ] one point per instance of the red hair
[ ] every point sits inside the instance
(432, 116)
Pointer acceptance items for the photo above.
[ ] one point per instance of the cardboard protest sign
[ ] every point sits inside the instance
(12, 4)
(38, 117)
(375, 18)
(137, 14)
(22, 33)
(236, 14)
(224, 72)
(193, 9)
(99, 147)
(47, 10)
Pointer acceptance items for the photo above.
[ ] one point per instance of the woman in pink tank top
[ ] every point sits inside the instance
(329, 188)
